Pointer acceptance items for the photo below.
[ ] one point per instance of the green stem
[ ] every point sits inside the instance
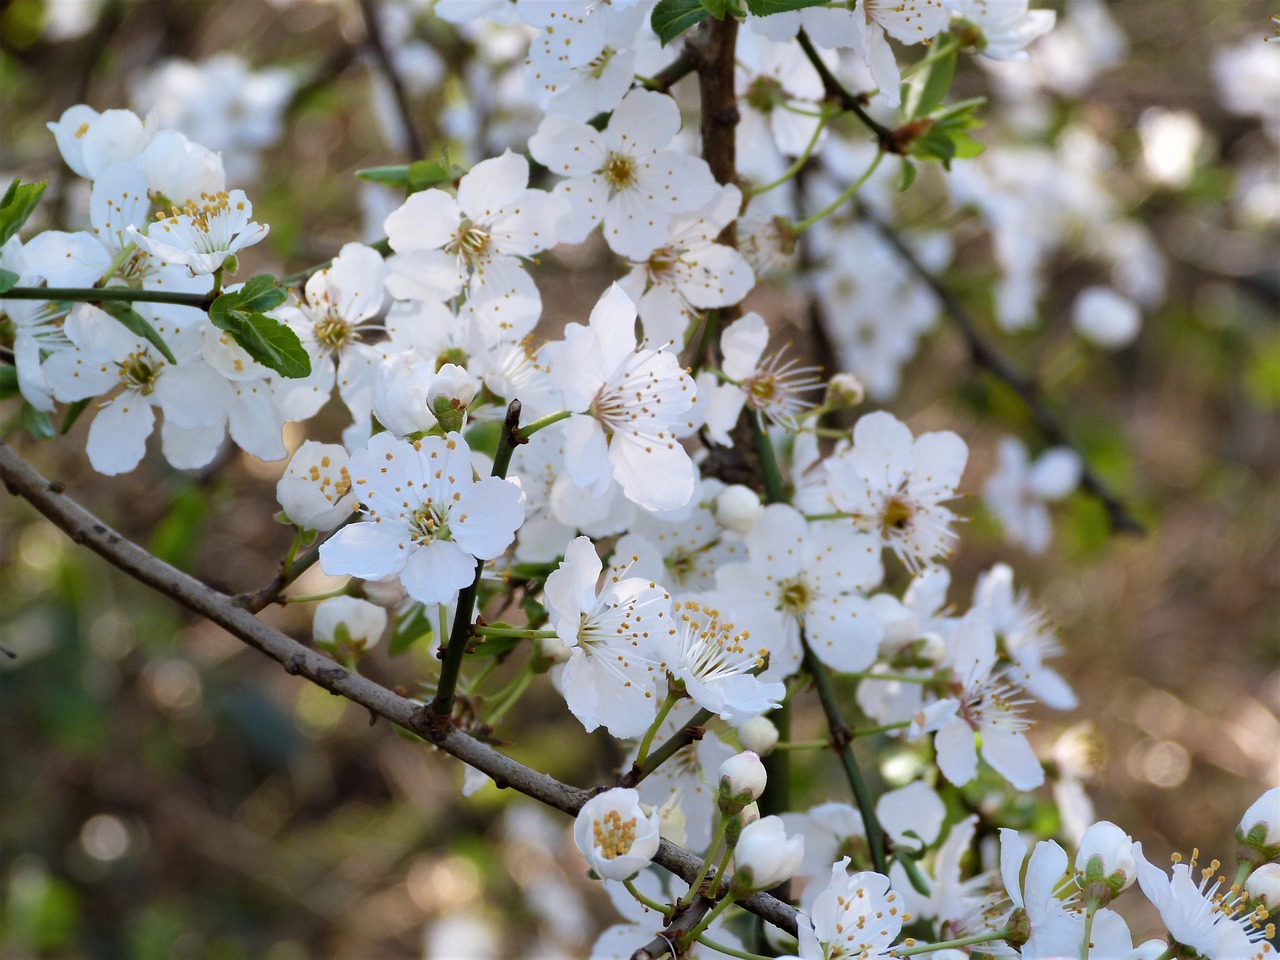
(662, 908)
(841, 741)
(1242, 873)
(313, 597)
(721, 867)
(1088, 931)
(676, 742)
(834, 88)
(943, 50)
(673, 696)
(948, 944)
(522, 633)
(1170, 953)
(696, 885)
(775, 491)
(841, 200)
(730, 951)
(459, 636)
(511, 695)
(802, 745)
(706, 921)
(200, 301)
(835, 515)
(541, 422)
(799, 163)
(883, 728)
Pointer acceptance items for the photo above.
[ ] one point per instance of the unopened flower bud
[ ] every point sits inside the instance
(844, 390)
(1104, 863)
(765, 855)
(1259, 829)
(554, 650)
(348, 619)
(387, 592)
(449, 395)
(759, 735)
(742, 780)
(737, 508)
(1264, 884)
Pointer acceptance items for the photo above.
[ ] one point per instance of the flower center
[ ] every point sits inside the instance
(429, 523)
(763, 94)
(139, 372)
(794, 596)
(470, 243)
(614, 836)
(619, 171)
(897, 515)
(333, 333)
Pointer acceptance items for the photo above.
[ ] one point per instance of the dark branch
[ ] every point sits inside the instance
(84, 528)
(990, 359)
(380, 53)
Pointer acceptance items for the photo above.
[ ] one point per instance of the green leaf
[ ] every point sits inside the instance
(8, 280)
(18, 203)
(392, 176)
(260, 294)
(763, 8)
(409, 630)
(138, 325)
(268, 341)
(8, 382)
(720, 8)
(938, 82)
(72, 415)
(908, 175)
(430, 173)
(670, 18)
(36, 422)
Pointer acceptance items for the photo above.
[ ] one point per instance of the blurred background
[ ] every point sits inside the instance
(167, 793)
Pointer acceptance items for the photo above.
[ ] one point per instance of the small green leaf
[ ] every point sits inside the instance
(72, 415)
(938, 82)
(719, 8)
(392, 176)
(18, 203)
(138, 325)
(260, 294)
(270, 342)
(8, 280)
(36, 422)
(429, 173)
(908, 175)
(670, 18)
(764, 8)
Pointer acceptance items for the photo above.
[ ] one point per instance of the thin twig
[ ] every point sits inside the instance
(84, 528)
(663, 944)
(260, 599)
(380, 53)
(835, 90)
(990, 359)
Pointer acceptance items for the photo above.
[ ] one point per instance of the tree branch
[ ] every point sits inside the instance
(22, 480)
(990, 359)
(380, 53)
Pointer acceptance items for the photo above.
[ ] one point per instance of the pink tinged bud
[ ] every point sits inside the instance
(1264, 884)
(742, 778)
(616, 835)
(758, 735)
(350, 620)
(765, 855)
(737, 508)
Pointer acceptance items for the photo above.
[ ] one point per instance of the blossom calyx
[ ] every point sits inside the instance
(1104, 863)
(742, 780)
(1259, 830)
(450, 394)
